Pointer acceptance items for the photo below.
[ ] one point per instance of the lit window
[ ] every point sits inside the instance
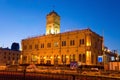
(56, 31)
(49, 31)
(88, 40)
(56, 44)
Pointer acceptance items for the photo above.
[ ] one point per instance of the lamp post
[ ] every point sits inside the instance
(24, 70)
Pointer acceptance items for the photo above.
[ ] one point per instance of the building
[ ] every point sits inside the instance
(109, 58)
(114, 65)
(9, 57)
(83, 46)
(15, 46)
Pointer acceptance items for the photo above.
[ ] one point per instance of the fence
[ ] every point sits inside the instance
(7, 75)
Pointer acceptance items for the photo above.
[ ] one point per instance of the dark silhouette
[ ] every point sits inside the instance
(15, 46)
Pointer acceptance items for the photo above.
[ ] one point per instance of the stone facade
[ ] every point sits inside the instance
(83, 46)
(9, 57)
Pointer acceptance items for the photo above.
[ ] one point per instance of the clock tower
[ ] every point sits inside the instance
(52, 23)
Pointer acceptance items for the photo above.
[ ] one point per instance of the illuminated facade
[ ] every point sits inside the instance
(83, 46)
(53, 23)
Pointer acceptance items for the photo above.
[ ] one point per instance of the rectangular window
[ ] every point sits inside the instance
(4, 53)
(48, 45)
(63, 43)
(56, 44)
(72, 42)
(9, 58)
(84, 58)
(72, 58)
(81, 42)
(42, 45)
(64, 58)
(4, 57)
(80, 57)
(92, 59)
(36, 46)
(13, 58)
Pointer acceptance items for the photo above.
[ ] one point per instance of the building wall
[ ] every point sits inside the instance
(52, 23)
(9, 56)
(82, 46)
(114, 66)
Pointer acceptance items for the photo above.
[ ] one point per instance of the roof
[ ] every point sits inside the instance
(53, 12)
(7, 49)
(64, 33)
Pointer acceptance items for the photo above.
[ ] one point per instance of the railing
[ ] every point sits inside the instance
(9, 75)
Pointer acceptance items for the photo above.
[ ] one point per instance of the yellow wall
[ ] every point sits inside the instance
(48, 53)
(82, 46)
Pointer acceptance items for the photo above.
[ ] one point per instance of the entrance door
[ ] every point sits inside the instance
(48, 62)
(42, 61)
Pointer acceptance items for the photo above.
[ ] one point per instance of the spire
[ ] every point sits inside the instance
(52, 12)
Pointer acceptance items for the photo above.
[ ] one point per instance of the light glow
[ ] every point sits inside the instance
(67, 56)
(51, 57)
(88, 41)
(52, 31)
(59, 57)
(88, 57)
(88, 44)
(44, 57)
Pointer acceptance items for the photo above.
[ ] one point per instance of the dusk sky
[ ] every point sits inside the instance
(20, 19)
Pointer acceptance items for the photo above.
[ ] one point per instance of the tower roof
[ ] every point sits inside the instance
(53, 12)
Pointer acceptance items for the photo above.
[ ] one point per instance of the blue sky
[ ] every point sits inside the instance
(20, 19)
